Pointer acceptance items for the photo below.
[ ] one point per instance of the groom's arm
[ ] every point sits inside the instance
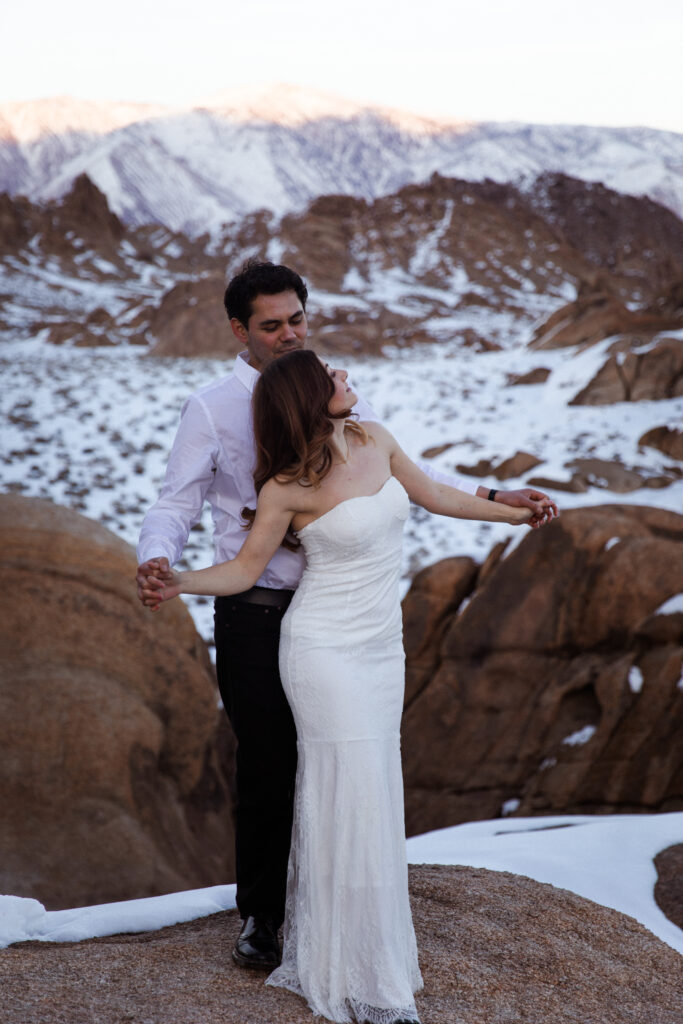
(189, 474)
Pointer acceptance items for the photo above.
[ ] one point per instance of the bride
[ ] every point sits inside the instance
(342, 490)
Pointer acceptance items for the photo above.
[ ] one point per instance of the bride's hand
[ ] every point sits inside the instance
(519, 516)
(156, 592)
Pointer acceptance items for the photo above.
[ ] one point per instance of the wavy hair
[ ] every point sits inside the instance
(293, 425)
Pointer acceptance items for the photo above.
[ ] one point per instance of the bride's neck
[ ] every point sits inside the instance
(339, 442)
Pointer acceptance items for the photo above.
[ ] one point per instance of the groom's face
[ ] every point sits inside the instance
(277, 325)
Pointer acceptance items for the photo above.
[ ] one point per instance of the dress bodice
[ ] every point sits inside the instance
(361, 528)
(353, 565)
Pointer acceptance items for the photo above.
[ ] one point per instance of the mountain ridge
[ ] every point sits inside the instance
(198, 168)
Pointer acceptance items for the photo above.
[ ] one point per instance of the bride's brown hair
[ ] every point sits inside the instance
(293, 424)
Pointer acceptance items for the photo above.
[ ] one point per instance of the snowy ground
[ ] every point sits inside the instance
(91, 429)
(575, 853)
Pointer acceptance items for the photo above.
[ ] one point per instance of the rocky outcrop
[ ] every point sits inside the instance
(84, 210)
(648, 373)
(669, 885)
(191, 321)
(608, 475)
(493, 947)
(668, 440)
(15, 226)
(428, 233)
(538, 375)
(395, 269)
(547, 681)
(111, 774)
(596, 315)
(505, 469)
(516, 465)
(630, 243)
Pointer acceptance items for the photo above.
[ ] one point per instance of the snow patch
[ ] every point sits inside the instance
(635, 679)
(26, 919)
(576, 853)
(581, 736)
(674, 606)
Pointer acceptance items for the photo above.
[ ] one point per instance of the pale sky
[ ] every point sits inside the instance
(611, 62)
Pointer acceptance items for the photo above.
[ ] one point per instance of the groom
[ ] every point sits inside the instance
(212, 460)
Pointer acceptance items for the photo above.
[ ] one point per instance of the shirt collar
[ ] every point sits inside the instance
(245, 373)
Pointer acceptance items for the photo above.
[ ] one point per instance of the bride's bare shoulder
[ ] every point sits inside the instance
(285, 494)
(380, 435)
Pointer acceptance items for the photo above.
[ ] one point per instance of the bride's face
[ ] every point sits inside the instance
(344, 396)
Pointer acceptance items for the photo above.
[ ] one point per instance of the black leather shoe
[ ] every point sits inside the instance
(257, 945)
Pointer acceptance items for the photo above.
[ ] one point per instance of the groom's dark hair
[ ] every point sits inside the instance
(260, 277)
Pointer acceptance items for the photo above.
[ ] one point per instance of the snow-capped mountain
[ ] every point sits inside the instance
(197, 169)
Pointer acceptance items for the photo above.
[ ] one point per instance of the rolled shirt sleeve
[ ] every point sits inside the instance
(189, 475)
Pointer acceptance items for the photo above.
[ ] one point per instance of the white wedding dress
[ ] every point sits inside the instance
(349, 944)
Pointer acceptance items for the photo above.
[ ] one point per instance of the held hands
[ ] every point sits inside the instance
(158, 590)
(540, 507)
(157, 583)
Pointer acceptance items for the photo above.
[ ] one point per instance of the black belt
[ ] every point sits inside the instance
(265, 596)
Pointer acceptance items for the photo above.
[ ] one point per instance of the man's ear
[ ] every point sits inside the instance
(239, 330)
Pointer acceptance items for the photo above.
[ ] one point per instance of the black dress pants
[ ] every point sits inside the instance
(247, 645)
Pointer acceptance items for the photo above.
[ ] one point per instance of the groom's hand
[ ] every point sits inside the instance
(157, 568)
(543, 508)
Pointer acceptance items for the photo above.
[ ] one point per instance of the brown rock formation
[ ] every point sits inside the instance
(670, 300)
(191, 321)
(609, 475)
(539, 375)
(15, 230)
(575, 485)
(96, 331)
(436, 593)
(533, 691)
(666, 439)
(516, 465)
(494, 948)
(612, 475)
(85, 211)
(438, 449)
(669, 886)
(654, 373)
(482, 468)
(323, 236)
(110, 775)
(492, 242)
(595, 315)
(631, 243)
(468, 220)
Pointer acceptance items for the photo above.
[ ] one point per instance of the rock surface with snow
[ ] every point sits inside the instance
(112, 775)
(493, 947)
(547, 677)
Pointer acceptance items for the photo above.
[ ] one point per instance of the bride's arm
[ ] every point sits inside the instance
(271, 523)
(438, 497)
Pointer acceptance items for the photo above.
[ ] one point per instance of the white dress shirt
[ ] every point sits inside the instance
(212, 460)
